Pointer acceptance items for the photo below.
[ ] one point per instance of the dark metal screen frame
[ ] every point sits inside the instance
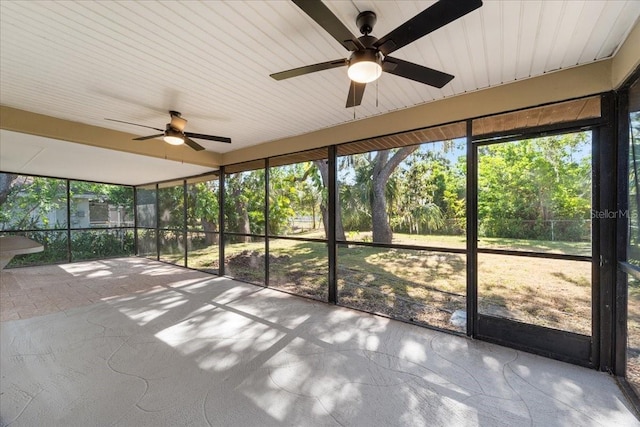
(607, 239)
(332, 207)
(623, 268)
(221, 201)
(472, 233)
(583, 350)
(266, 222)
(621, 307)
(68, 228)
(602, 320)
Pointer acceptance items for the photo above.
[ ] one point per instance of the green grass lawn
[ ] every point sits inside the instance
(460, 242)
(423, 286)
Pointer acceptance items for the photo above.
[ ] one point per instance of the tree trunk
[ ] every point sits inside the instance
(243, 215)
(245, 226)
(6, 179)
(209, 228)
(380, 220)
(383, 167)
(323, 167)
(325, 219)
(313, 216)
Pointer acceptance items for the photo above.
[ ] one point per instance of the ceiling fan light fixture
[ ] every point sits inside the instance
(173, 137)
(365, 66)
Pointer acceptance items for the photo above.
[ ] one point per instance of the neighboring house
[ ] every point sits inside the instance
(87, 211)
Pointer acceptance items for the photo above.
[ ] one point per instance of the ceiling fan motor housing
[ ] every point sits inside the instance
(366, 21)
(177, 122)
(172, 131)
(369, 54)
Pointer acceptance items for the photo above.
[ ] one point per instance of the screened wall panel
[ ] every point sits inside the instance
(202, 203)
(244, 258)
(171, 205)
(535, 194)
(244, 202)
(405, 194)
(299, 267)
(633, 334)
(171, 222)
(146, 200)
(171, 246)
(203, 252)
(33, 203)
(106, 243)
(101, 219)
(298, 195)
(632, 220)
(553, 293)
(55, 246)
(633, 214)
(418, 286)
(50, 210)
(96, 205)
(147, 221)
(147, 243)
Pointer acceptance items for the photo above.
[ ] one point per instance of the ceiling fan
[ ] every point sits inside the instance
(370, 55)
(174, 133)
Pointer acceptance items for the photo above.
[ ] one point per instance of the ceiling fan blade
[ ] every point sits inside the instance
(208, 137)
(309, 69)
(330, 23)
(416, 72)
(436, 16)
(135, 124)
(356, 91)
(144, 138)
(191, 143)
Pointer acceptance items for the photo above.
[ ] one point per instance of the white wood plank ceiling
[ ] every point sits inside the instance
(211, 60)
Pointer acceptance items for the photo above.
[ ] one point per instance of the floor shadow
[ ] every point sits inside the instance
(205, 350)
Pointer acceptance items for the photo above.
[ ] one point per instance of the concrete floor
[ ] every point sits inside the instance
(183, 348)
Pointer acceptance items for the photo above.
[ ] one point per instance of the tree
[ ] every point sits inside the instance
(37, 203)
(366, 188)
(203, 208)
(238, 210)
(171, 207)
(323, 167)
(526, 187)
(383, 167)
(419, 203)
(244, 203)
(30, 200)
(309, 191)
(295, 191)
(6, 179)
(283, 198)
(355, 191)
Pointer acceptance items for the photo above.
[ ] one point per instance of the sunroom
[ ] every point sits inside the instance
(463, 255)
